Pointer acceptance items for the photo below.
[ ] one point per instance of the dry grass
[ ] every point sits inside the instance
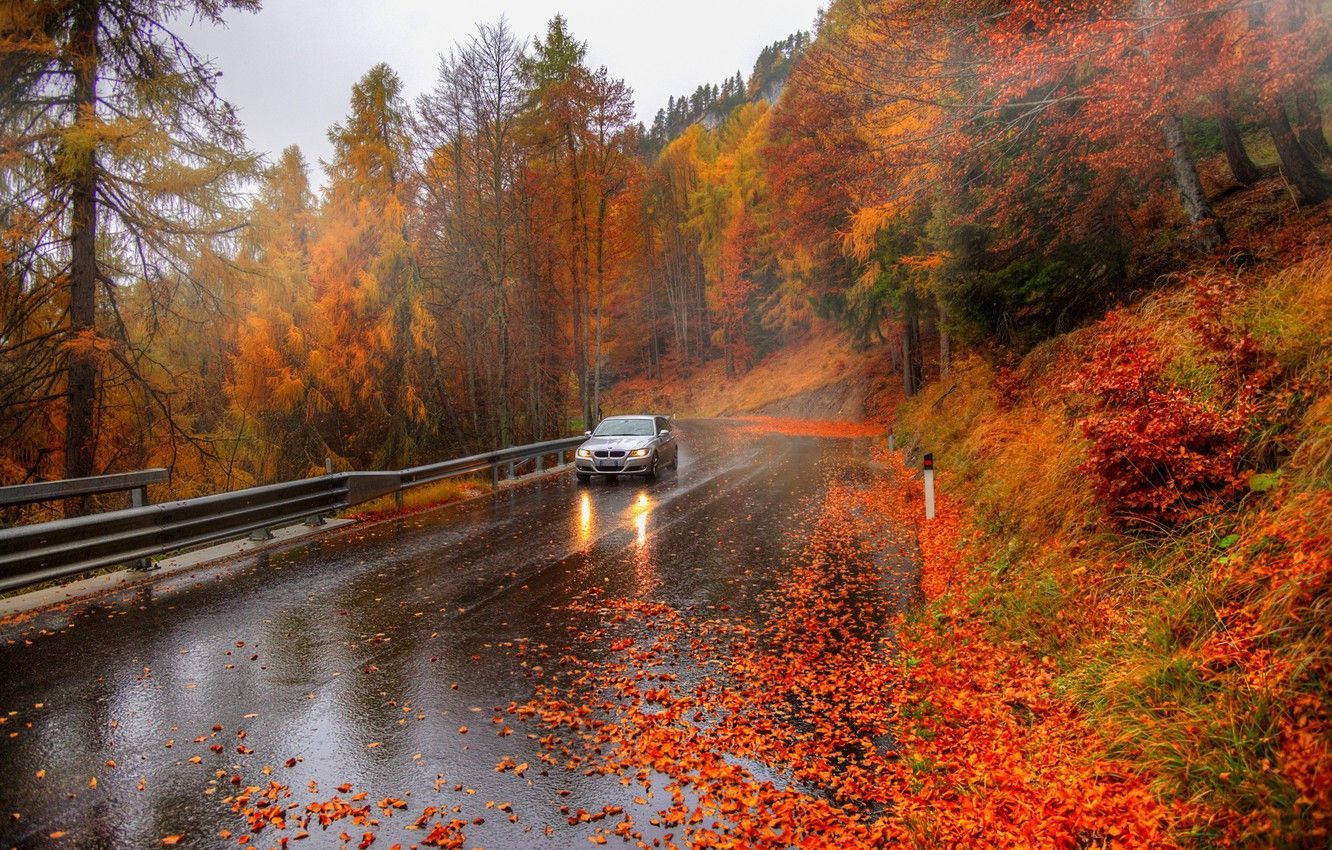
(422, 498)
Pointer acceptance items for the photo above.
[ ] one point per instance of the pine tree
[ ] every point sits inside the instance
(125, 165)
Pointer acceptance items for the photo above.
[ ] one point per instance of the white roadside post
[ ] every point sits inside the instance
(892, 440)
(929, 486)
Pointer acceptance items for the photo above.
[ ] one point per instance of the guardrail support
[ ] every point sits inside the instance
(259, 535)
(139, 499)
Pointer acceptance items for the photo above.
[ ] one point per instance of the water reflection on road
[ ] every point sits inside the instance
(358, 659)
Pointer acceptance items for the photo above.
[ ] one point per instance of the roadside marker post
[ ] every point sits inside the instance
(929, 486)
(892, 441)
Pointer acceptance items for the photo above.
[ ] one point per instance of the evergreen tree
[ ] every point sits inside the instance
(124, 164)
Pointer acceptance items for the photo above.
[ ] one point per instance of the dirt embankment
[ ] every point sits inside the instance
(822, 376)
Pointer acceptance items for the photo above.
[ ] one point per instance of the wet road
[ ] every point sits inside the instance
(361, 655)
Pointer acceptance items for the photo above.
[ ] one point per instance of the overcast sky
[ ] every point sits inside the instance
(289, 69)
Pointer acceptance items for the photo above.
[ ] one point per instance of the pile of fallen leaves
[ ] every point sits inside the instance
(831, 720)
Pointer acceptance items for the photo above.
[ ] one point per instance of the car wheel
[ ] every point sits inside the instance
(583, 477)
(652, 470)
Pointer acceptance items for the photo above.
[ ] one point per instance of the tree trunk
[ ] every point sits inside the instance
(578, 262)
(1310, 120)
(1311, 187)
(601, 279)
(912, 377)
(945, 345)
(81, 380)
(1207, 228)
(1242, 168)
(913, 363)
(908, 386)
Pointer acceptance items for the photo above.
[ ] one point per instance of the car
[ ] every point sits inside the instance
(642, 444)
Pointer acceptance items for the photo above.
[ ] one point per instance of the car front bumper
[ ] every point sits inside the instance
(630, 466)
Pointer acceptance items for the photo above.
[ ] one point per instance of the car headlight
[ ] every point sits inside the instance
(585, 453)
(639, 453)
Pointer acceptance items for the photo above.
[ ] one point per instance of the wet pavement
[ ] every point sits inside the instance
(356, 659)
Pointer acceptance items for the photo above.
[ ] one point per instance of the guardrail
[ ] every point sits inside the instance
(50, 491)
(45, 551)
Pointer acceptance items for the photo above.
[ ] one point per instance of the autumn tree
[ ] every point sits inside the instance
(372, 363)
(269, 381)
(555, 121)
(121, 162)
(609, 141)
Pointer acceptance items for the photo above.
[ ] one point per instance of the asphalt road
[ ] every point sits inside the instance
(361, 654)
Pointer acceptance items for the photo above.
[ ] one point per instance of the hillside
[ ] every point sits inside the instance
(819, 376)
(1135, 532)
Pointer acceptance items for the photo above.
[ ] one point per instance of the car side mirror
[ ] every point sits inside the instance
(587, 433)
(663, 433)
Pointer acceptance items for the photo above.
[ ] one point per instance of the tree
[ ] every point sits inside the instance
(125, 163)
(610, 139)
(371, 367)
(556, 120)
(269, 377)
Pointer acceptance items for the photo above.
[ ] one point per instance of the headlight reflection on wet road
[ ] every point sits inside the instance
(640, 518)
(584, 518)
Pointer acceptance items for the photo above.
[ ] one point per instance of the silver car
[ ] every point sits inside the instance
(627, 445)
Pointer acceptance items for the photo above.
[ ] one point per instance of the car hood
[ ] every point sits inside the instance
(625, 443)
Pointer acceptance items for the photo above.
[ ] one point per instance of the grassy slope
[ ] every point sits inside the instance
(1199, 651)
(1196, 654)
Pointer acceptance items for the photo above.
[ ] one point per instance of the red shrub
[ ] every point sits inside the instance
(1160, 454)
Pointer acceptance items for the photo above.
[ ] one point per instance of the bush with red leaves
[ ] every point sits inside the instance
(1161, 453)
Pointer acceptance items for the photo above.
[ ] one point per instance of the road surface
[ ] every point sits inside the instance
(361, 654)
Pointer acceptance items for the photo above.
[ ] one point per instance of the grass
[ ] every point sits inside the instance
(422, 498)
(1200, 652)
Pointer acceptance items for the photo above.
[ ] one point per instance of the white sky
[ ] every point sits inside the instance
(289, 69)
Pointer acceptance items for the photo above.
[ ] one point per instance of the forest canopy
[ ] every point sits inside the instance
(483, 261)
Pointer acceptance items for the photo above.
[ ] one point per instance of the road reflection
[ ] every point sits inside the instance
(646, 578)
(584, 519)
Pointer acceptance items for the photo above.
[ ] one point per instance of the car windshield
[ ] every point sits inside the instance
(624, 428)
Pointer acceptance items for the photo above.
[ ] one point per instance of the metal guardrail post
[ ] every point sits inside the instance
(139, 499)
(318, 519)
(540, 463)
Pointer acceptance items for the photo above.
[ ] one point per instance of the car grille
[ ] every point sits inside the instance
(611, 453)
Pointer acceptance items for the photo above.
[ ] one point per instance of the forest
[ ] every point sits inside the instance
(1079, 253)
(480, 264)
